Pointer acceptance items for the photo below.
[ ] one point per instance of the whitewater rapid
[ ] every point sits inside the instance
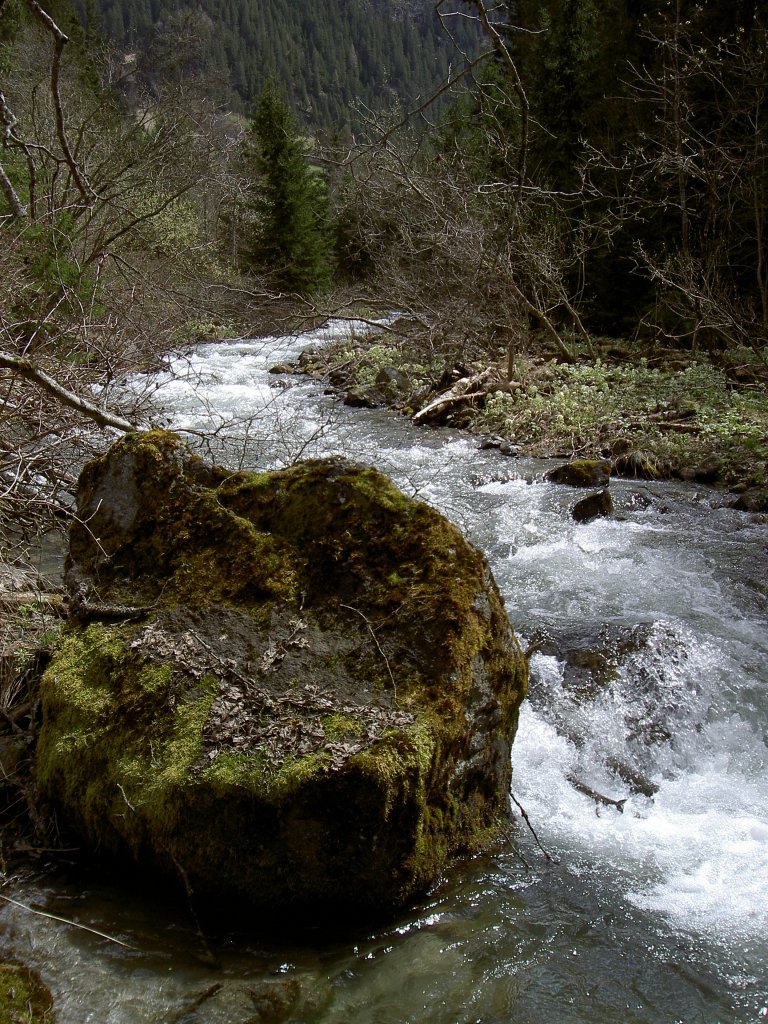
(649, 685)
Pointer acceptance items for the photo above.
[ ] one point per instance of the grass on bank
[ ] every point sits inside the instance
(670, 416)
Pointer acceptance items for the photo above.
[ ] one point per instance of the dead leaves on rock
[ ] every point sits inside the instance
(256, 713)
(275, 651)
(294, 724)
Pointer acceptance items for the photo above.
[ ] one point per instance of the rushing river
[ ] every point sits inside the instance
(649, 686)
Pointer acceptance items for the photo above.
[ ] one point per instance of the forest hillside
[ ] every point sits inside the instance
(334, 60)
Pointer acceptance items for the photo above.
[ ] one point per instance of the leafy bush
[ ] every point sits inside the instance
(588, 408)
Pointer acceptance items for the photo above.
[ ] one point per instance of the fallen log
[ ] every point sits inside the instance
(48, 603)
(462, 391)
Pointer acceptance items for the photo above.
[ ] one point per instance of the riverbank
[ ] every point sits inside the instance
(673, 416)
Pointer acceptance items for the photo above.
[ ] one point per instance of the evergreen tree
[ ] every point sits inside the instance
(290, 238)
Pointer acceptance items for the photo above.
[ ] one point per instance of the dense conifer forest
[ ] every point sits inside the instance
(333, 59)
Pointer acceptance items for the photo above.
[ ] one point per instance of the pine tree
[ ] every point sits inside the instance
(290, 239)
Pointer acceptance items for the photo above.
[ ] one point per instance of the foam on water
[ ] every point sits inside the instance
(673, 589)
(695, 853)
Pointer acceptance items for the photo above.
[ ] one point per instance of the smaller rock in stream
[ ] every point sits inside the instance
(593, 506)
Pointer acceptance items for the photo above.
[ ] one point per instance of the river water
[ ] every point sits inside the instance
(649, 685)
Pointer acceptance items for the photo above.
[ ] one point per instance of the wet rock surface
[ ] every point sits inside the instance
(290, 691)
(593, 506)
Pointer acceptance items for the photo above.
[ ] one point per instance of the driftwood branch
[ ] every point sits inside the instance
(600, 800)
(24, 368)
(85, 605)
(51, 604)
(462, 391)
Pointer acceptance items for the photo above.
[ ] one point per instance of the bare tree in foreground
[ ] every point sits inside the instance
(103, 258)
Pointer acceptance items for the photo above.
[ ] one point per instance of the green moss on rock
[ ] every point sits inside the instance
(581, 473)
(312, 700)
(24, 999)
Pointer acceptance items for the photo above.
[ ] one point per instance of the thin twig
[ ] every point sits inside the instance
(186, 1011)
(367, 621)
(548, 856)
(515, 848)
(65, 920)
(128, 802)
(207, 956)
(60, 39)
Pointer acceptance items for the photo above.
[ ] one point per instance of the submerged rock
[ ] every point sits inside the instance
(754, 499)
(293, 691)
(707, 471)
(363, 397)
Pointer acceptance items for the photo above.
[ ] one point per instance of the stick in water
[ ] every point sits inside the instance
(64, 920)
(606, 801)
(548, 856)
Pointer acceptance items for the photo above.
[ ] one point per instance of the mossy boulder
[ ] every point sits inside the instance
(293, 691)
(581, 473)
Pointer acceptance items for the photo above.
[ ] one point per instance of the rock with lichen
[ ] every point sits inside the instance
(23, 996)
(291, 691)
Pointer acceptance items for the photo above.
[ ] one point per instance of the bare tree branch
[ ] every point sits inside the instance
(60, 41)
(500, 46)
(24, 368)
(17, 207)
(9, 122)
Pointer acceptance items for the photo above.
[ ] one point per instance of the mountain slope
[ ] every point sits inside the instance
(330, 55)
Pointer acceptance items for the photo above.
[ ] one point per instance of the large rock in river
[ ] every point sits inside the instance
(294, 690)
